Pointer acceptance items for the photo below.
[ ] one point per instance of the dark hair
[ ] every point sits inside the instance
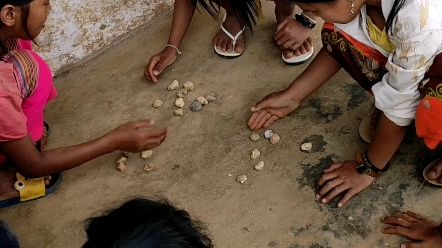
(24, 6)
(397, 5)
(144, 223)
(245, 10)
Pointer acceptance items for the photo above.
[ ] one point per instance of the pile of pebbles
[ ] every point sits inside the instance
(195, 106)
(273, 139)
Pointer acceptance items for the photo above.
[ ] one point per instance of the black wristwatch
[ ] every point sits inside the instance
(305, 21)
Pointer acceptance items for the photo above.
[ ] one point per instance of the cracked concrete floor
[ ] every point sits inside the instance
(275, 207)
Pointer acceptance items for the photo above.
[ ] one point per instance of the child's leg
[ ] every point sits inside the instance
(283, 10)
(221, 40)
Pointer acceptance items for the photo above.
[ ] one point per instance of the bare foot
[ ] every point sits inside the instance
(291, 37)
(425, 232)
(223, 42)
(435, 172)
(7, 180)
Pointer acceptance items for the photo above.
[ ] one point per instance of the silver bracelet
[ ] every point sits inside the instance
(176, 48)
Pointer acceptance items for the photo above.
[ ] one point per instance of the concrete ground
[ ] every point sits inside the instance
(207, 150)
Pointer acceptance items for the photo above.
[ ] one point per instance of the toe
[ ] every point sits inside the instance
(287, 54)
(435, 172)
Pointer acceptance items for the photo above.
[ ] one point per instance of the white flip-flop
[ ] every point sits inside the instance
(433, 182)
(364, 129)
(226, 54)
(297, 60)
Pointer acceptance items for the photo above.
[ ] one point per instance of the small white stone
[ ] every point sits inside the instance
(121, 160)
(179, 102)
(350, 218)
(189, 86)
(202, 100)
(149, 167)
(254, 137)
(211, 97)
(255, 154)
(306, 147)
(179, 112)
(174, 85)
(259, 166)
(121, 167)
(268, 134)
(274, 139)
(157, 103)
(241, 179)
(181, 93)
(147, 154)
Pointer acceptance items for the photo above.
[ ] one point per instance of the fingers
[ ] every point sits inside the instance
(143, 124)
(332, 186)
(280, 26)
(399, 230)
(258, 119)
(435, 171)
(285, 42)
(149, 72)
(333, 167)
(253, 119)
(414, 215)
(396, 221)
(412, 245)
(270, 121)
(325, 178)
(261, 105)
(347, 197)
(264, 120)
(159, 67)
(155, 137)
(403, 216)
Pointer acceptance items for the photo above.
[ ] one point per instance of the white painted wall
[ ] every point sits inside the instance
(77, 28)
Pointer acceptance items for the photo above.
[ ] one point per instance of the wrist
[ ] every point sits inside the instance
(377, 162)
(171, 50)
(109, 142)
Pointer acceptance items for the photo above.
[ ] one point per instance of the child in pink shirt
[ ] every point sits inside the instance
(25, 88)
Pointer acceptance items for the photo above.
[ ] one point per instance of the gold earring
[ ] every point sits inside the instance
(352, 10)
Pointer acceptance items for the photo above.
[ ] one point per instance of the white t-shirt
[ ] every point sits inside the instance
(417, 35)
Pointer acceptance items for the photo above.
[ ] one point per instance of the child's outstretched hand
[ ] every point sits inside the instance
(158, 62)
(425, 232)
(271, 108)
(137, 136)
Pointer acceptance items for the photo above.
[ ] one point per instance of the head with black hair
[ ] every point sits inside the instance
(343, 11)
(23, 19)
(146, 223)
(245, 10)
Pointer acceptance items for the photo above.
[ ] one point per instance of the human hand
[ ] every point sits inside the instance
(291, 34)
(158, 62)
(342, 177)
(136, 136)
(410, 225)
(271, 108)
(305, 47)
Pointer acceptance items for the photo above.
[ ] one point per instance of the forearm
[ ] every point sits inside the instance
(320, 70)
(33, 163)
(386, 140)
(182, 16)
